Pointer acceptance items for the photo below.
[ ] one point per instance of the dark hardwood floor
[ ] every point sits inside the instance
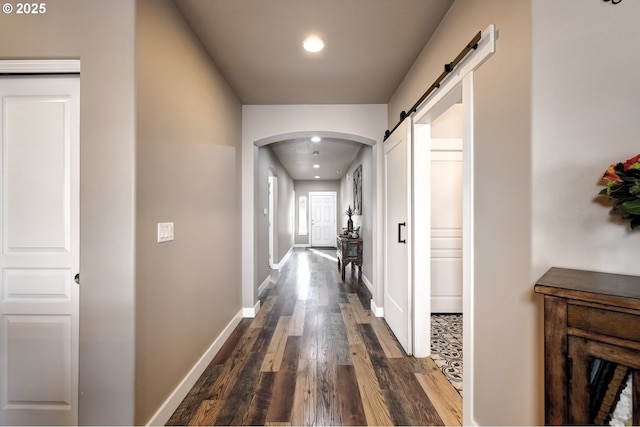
(315, 355)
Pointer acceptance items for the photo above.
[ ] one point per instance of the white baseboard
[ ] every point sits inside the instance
(377, 311)
(283, 261)
(301, 245)
(251, 312)
(170, 405)
(368, 283)
(264, 284)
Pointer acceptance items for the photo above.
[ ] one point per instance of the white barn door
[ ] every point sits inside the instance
(39, 237)
(397, 235)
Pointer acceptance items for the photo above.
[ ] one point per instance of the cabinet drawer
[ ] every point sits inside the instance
(605, 322)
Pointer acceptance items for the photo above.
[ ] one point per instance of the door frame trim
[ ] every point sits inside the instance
(272, 218)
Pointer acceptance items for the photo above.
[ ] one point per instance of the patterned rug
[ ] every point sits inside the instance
(446, 346)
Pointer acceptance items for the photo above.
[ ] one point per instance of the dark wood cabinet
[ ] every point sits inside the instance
(589, 317)
(349, 251)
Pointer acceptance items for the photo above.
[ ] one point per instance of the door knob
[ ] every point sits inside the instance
(77, 278)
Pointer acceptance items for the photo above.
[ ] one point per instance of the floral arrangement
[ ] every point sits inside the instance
(623, 185)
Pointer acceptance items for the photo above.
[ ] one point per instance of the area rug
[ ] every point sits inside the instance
(446, 346)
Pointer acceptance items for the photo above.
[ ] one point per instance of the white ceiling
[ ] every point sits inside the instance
(369, 47)
(333, 156)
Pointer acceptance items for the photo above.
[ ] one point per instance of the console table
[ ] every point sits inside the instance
(587, 316)
(349, 251)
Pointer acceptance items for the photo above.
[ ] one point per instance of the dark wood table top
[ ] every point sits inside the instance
(614, 289)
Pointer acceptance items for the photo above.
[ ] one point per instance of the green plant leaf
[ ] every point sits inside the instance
(631, 207)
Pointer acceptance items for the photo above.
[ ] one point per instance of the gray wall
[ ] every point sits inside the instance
(188, 172)
(364, 221)
(585, 116)
(268, 163)
(262, 123)
(507, 354)
(303, 188)
(101, 35)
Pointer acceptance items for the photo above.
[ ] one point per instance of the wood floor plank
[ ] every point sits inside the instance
(256, 413)
(373, 401)
(349, 318)
(310, 334)
(305, 396)
(339, 341)
(265, 311)
(443, 395)
(191, 403)
(397, 407)
(378, 358)
(361, 314)
(207, 413)
(237, 403)
(351, 409)
(336, 276)
(418, 407)
(375, 406)
(328, 406)
(328, 411)
(281, 402)
(323, 296)
(325, 350)
(388, 342)
(275, 352)
(297, 320)
(229, 375)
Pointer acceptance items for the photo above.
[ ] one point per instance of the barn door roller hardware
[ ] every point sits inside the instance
(448, 68)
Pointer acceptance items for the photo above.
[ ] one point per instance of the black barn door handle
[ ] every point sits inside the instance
(400, 225)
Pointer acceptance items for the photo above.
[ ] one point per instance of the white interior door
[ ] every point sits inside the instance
(39, 235)
(446, 225)
(397, 235)
(323, 218)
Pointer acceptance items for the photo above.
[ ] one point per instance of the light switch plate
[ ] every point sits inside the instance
(165, 232)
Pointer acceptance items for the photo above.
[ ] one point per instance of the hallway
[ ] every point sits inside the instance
(315, 355)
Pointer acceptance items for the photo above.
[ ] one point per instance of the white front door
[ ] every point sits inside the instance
(39, 237)
(323, 218)
(446, 225)
(397, 234)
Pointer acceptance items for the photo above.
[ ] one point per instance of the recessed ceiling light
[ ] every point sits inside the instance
(316, 139)
(317, 177)
(316, 166)
(313, 44)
